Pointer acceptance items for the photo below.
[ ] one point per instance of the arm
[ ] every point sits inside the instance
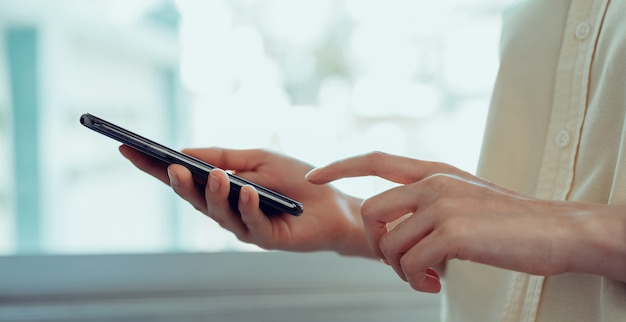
(599, 240)
(331, 219)
(457, 215)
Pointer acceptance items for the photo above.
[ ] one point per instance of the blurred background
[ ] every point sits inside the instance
(319, 80)
(316, 79)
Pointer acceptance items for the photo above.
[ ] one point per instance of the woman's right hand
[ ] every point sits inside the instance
(331, 219)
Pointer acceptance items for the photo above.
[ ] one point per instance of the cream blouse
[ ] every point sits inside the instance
(556, 130)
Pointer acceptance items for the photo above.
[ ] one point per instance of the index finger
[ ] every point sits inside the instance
(391, 167)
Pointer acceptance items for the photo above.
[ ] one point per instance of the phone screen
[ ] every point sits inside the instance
(271, 202)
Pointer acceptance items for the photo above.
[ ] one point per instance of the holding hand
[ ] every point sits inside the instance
(330, 220)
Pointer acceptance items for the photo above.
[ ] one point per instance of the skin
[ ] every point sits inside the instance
(331, 219)
(443, 212)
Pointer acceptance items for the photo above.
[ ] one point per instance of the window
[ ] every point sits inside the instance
(316, 79)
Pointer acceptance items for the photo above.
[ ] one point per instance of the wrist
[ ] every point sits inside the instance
(600, 235)
(353, 242)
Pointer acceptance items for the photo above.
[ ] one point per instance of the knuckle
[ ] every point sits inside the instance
(446, 168)
(370, 214)
(376, 155)
(454, 229)
(221, 157)
(444, 206)
(219, 222)
(258, 151)
(367, 209)
(386, 245)
(375, 158)
(439, 179)
(408, 266)
(247, 238)
(260, 154)
(199, 208)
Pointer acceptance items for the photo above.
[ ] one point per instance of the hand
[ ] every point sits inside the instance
(454, 214)
(330, 221)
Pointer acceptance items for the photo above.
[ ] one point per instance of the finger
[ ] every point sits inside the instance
(218, 206)
(184, 185)
(417, 262)
(398, 241)
(229, 159)
(258, 224)
(150, 165)
(433, 281)
(384, 208)
(395, 168)
(430, 281)
(432, 272)
(390, 205)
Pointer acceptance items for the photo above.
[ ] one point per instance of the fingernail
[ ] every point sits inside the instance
(173, 178)
(214, 182)
(432, 284)
(384, 261)
(244, 196)
(430, 271)
(311, 173)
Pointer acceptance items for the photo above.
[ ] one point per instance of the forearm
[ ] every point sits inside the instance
(598, 238)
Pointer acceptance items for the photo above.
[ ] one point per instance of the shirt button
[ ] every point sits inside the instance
(562, 138)
(582, 30)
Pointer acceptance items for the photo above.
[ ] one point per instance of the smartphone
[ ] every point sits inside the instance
(271, 202)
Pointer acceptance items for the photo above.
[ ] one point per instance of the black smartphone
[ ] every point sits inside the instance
(271, 202)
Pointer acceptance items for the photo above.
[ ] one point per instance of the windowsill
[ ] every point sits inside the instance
(224, 286)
